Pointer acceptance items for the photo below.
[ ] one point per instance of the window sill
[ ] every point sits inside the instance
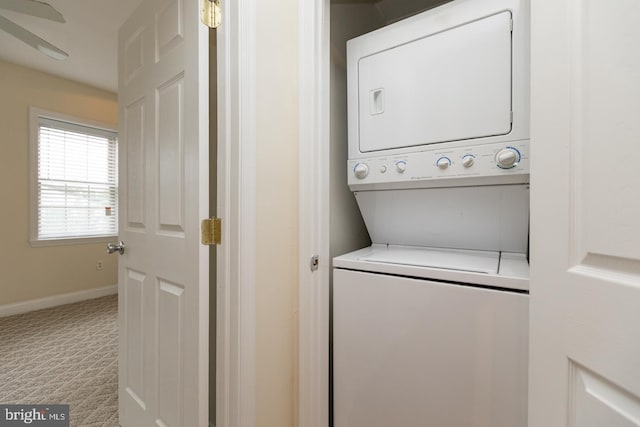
(72, 241)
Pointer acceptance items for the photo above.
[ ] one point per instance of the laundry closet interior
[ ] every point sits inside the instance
(429, 212)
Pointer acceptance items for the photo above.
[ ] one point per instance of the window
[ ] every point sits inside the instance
(74, 180)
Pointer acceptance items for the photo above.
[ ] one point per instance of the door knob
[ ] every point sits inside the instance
(115, 247)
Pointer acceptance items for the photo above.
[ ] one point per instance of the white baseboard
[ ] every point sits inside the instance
(55, 300)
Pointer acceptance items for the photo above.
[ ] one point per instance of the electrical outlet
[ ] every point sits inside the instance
(99, 265)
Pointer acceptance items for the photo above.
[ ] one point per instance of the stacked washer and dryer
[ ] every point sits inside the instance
(430, 323)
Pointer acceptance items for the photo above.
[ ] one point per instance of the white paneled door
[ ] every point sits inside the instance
(163, 273)
(585, 198)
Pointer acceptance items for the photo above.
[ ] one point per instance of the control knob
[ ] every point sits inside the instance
(361, 170)
(507, 158)
(468, 160)
(443, 163)
(401, 166)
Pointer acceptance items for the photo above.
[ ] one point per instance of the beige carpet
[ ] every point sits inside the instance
(64, 355)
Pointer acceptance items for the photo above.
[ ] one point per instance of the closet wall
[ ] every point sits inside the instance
(347, 229)
(349, 19)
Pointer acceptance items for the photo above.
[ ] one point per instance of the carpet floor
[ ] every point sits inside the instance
(64, 355)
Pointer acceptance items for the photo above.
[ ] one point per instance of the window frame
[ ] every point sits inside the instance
(35, 114)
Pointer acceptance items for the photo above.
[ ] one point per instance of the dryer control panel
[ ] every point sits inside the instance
(496, 163)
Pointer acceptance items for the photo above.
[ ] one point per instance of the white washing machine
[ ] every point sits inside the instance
(417, 341)
(430, 323)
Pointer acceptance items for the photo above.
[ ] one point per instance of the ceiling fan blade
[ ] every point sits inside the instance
(31, 39)
(33, 8)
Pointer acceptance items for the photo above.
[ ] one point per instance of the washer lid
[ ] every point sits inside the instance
(486, 262)
(449, 265)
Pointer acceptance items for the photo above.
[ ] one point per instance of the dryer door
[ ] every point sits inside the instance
(448, 86)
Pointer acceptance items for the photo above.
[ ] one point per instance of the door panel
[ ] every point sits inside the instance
(405, 94)
(134, 125)
(163, 274)
(170, 342)
(585, 260)
(170, 156)
(134, 315)
(607, 126)
(596, 402)
(169, 28)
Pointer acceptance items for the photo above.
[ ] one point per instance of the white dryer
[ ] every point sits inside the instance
(430, 323)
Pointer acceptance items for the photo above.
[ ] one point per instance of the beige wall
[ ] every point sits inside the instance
(277, 213)
(277, 210)
(25, 272)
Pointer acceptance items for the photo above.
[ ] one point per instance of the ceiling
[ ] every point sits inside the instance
(393, 10)
(89, 37)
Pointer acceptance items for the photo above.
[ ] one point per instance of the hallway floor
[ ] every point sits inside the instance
(64, 355)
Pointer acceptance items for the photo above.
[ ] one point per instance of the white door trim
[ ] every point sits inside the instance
(313, 371)
(236, 206)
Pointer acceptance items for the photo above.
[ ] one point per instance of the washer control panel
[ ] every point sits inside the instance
(480, 161)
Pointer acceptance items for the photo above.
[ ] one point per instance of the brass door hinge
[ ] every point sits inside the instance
(211, 230)
(210, 13)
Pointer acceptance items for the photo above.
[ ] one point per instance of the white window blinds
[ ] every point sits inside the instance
(77, 181)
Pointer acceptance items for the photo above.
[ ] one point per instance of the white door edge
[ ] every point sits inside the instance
(236, 308)
(314, 68)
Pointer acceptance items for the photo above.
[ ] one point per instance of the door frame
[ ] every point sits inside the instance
(314, 209)
(236, 206)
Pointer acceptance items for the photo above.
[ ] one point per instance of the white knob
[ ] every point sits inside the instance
(401, 166)
(507, 158)
(361, 170)
(467, 161)
(443, 163)
(383, 169)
